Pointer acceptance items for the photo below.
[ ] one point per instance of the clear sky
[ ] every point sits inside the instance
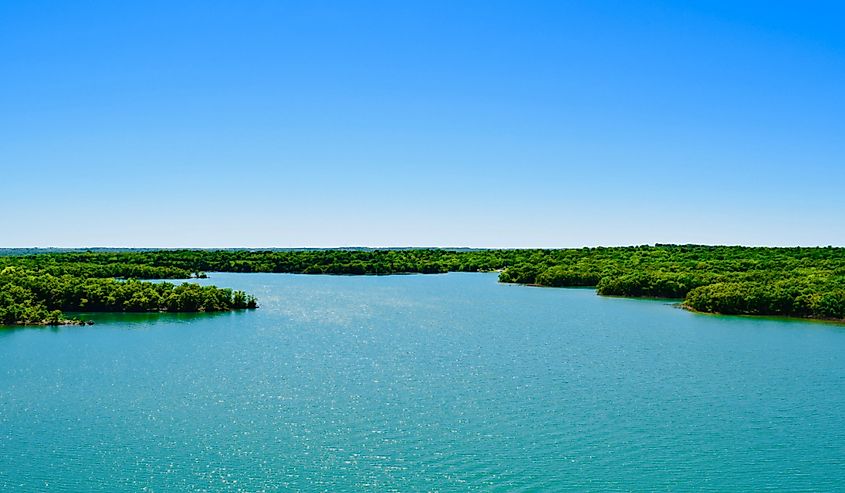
(396, 123)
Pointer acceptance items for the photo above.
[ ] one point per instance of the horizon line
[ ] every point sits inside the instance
(410, 247)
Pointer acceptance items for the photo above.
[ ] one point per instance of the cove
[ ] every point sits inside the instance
(448, 382)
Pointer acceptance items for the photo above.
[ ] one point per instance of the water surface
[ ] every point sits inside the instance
(423, 383)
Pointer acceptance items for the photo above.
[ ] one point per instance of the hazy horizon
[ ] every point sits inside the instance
(390, 247)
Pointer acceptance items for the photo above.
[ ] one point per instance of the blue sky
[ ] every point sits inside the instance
(454, 123)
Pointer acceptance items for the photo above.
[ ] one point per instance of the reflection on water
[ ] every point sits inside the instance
(135, 319)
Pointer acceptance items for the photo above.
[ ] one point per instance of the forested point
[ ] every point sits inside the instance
(794, 282)
(42, 292)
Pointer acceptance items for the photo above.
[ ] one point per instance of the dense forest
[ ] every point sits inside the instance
(30, 295)
(796, 282)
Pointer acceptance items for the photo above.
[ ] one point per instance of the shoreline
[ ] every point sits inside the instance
(679, 303)
(47, 323)
(831, 321)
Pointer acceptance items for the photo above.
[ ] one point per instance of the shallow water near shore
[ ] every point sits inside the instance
(423, 383)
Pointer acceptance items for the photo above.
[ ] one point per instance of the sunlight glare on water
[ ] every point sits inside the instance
(423, 383)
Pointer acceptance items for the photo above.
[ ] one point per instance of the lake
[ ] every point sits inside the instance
(423, 383)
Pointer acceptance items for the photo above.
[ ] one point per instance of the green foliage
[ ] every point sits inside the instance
(786, 298)
(802, 282)
(652, 284)
(38, 297)
(560, 276)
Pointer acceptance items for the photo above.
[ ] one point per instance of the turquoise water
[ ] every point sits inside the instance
(424, 383)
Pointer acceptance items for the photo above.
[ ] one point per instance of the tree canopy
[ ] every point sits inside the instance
(797, 282)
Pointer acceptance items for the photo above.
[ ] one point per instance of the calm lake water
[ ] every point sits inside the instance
(423, 383)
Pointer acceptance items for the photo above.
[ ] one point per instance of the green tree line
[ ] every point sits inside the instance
(798, 282)
(39, 297)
